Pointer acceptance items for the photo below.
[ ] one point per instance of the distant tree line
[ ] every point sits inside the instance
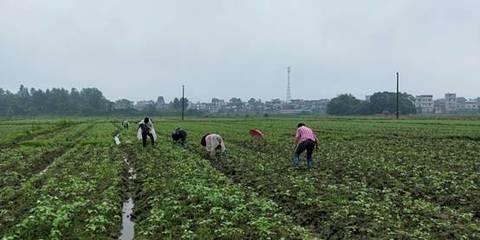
(379, 103)
(55, 101)
(63, 102)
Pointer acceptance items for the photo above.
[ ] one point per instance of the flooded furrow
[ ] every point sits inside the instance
(128, 226)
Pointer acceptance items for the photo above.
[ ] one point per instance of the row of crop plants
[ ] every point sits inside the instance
(437, 169)
(13, 134)
(442, 172)
(349, 193)
(77, 197)
(181, 196)
(32, 157)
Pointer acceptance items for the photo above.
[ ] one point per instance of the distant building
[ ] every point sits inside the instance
(439, 106)
(122, 104)
(217, 105)
(460, 104)
(317, 106)
(424, 104)
(204, 107)
(472, 106)
(273, 105)
(450, 102)
(295, 104)
(141, 105)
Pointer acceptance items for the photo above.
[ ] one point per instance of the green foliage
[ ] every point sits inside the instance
(379, 103)
(56, 101)
(77, 196)
(184, 197)
(372, 179)
(345, 104)
(386, 102)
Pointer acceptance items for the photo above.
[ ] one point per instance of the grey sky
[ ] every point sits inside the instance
(224, 48)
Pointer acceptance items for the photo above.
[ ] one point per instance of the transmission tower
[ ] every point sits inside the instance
(289, 93)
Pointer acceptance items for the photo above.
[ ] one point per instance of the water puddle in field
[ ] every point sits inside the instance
(44, 170)
(127, 223)
(128, 226)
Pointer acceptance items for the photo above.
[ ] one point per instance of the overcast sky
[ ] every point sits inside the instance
(225, 48)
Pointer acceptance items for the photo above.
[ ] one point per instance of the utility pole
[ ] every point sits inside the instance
(398, 93)
(289, 93)
(183, 102)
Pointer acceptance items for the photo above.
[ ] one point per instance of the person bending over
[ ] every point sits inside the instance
(179, 136)
(146, 130)
(305, 139)
(213, 143)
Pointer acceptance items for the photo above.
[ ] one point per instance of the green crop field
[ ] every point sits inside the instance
(372, 179)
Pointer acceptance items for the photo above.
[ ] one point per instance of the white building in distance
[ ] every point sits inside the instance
(472, 106)
(141, 105)
(450, 102)
(424, 104)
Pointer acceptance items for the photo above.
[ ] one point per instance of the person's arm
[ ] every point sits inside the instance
(297, 137)
(209, 146)
(212, 153)
(222, 146)
(316, 142)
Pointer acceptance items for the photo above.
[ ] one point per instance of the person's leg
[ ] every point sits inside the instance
(310, 148)
(296, 156)
(144, 139)
(152, 139)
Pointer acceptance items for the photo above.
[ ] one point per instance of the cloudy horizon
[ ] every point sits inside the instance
(144, 49)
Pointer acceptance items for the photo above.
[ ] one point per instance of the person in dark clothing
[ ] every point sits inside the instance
(179, 136)
(305, 139)
(125, 124)
(145, 130)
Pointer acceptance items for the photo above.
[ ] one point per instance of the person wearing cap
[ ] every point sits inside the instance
(213, 143)
(256, 133)
(305, 139)
(179, 136)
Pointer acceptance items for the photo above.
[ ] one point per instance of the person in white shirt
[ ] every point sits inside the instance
(145, 129)
(213, 143)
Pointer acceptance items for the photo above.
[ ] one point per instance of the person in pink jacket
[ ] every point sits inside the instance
(305, 139)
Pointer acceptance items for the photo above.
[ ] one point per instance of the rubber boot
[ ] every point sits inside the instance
(309, 163)
(295, 160)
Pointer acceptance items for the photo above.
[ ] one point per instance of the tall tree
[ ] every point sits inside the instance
(344, 104)
(386, 102)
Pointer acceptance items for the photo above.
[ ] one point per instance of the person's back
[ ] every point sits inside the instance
(304, 133)
(179, 136)
(305, 140)
(213, 142)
